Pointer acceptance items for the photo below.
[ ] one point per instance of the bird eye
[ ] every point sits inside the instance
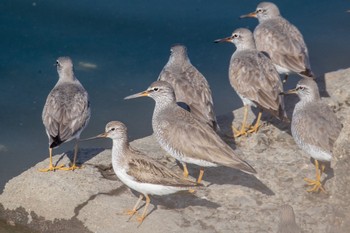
(259, 10)
(235, 36)
(113, 129)
(300, 88)
(155, 89)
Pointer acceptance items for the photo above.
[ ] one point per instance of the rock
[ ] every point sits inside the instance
(92, 199)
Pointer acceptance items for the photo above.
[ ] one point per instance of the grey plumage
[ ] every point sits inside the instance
(138, 171)
(190, 85)
(314, 127)
(253, 76)
(287, 222)
(67, 110)
(183, 136)
(281, 40)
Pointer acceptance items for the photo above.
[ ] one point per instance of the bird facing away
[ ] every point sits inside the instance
(255, 79)
(190, 85)
(66, 112)
(287, 222)
(184, 137)
(281, 40)
(314, 127)
(139, 172)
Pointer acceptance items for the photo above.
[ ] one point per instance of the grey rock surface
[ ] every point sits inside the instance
(92, 199)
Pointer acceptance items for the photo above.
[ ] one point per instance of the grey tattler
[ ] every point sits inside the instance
(314, 127)
(255, 79)
(281, 40)
(186, 138)
(190, 85)
(140, 172)
(66, 112)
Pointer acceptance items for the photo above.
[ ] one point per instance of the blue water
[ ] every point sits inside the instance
(126, 44)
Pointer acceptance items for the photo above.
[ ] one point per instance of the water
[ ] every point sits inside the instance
(126, 44)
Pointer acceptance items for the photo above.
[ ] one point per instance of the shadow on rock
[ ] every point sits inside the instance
(84, 155)
(226, 175)
(177, 201)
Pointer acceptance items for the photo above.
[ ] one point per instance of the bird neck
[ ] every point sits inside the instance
(178, 61)
(267, 18)
(247, 45)
(120, 147)
(309, 98)
(66, 75)
(164, 102)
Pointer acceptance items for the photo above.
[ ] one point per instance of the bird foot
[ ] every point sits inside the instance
(72, 168)
(52, 168)
(238, 133)
(253, 129)
(317, 185)
(140, 219)
(192, 191)
(130, 213)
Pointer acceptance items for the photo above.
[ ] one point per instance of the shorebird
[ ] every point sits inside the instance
(184, 137)
(314, 127)
(255, 79)
(287, 222)
(139, 172)
(66, 112)
(190, 85)
(281, 40)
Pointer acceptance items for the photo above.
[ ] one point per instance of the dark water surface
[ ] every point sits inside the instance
(119, 48)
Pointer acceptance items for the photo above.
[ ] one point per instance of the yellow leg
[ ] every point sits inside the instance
(74, 166)
(185, 170)
(256, 127)
(201, 173)
(243, 131)
(144, 214)
(132, 212)
(51, 167)
(317, 185)
(186, 175)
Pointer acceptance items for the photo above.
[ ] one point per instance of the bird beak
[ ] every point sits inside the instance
(227, 39)
(140, 94)
(102, 135)
(292, 91)
(250, 15)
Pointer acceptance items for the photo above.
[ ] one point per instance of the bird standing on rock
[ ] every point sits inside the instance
(66, 112)
(314, 127)
(184, 137)
(140, 172)
(255, 79)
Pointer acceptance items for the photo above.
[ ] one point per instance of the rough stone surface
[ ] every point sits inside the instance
(92, 199)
